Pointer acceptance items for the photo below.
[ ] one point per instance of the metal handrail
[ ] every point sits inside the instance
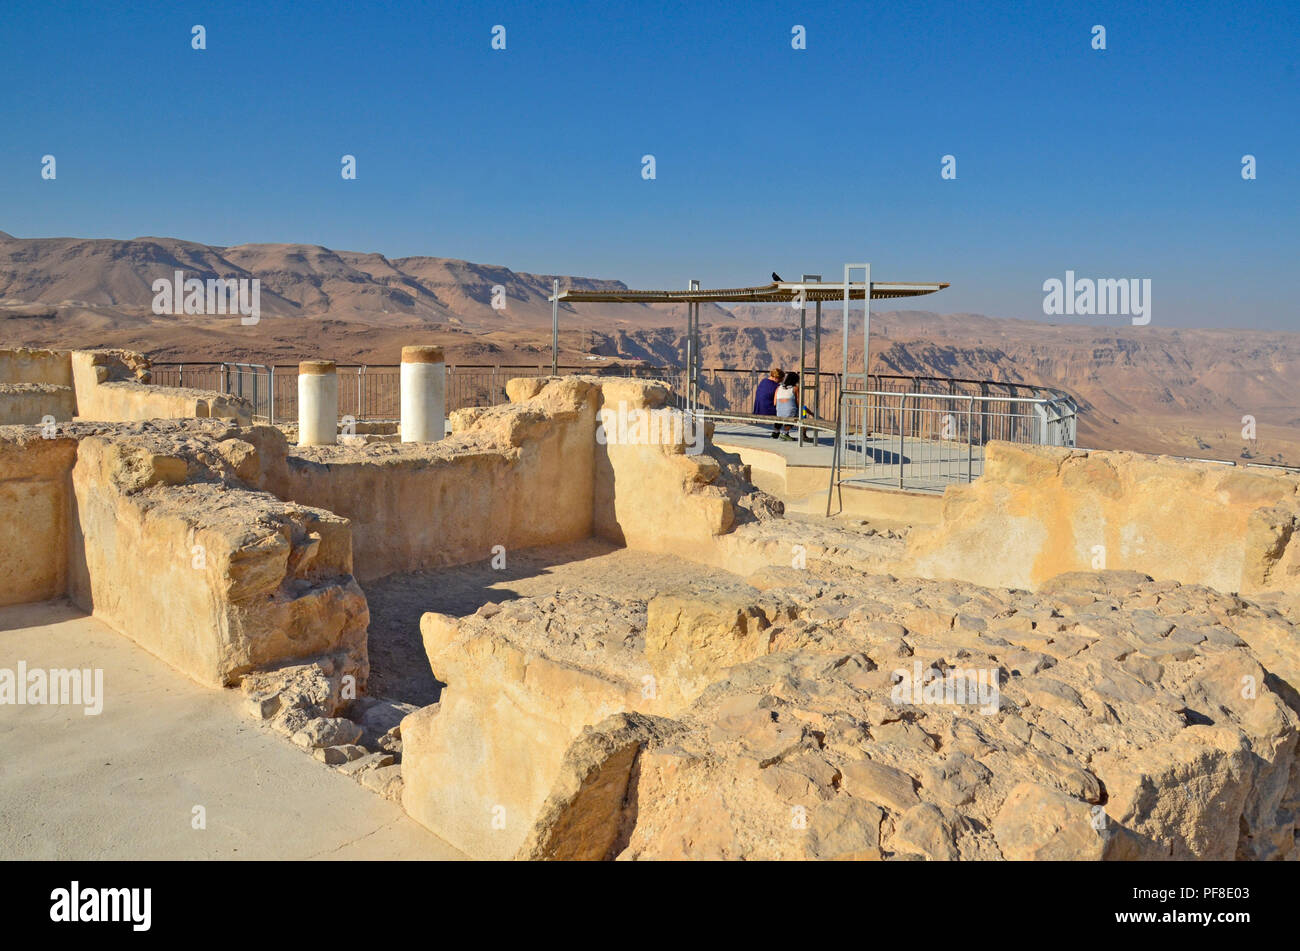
(882, 416)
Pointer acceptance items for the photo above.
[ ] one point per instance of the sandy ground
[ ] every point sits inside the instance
(124, 784)
(399, 669)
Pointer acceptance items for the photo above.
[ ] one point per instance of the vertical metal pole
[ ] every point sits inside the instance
(803, 374)
(902, 406)
(844, 373)
(866, 348)
(555, 327)
(866, 326)
(970, 452)
(690, 350)
(841, 430)
(866, 333)
(817, 362)
(272, 407)
(693, 356)
(984, 414)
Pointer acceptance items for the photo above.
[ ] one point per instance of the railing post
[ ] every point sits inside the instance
(555, 327)
(902, 428)
(984, 414)
(970, 451)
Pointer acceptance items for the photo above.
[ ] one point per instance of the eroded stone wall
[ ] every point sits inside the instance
(113, 385)
(35, 384)
(24, 404)
(30, 365)
(99, 386)
(34, 493)
(212, 577)
(1041, 511)
(515, 476)
(528, 473)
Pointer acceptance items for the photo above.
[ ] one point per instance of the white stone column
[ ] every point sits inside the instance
(318, 403)
(424, 400)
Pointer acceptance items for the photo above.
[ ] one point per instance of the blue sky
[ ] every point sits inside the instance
(1117, 163)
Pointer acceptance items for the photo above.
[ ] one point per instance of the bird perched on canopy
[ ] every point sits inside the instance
(776, 278)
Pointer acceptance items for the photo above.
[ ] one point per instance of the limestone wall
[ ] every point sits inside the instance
(524, 679)
(23, 404)
(1041, 511)
(101, 386)
(112, 385)
(477, 766)
(214, 579)
(35, 384)
(34, 494)
(27, 365)
(654, 496)
(515, 476)
(528, 473)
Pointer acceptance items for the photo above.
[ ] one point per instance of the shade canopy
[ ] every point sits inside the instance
(783, 293)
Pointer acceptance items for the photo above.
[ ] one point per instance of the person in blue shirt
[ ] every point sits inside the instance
(765, 397)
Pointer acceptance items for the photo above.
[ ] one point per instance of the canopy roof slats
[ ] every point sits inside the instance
(782, 293)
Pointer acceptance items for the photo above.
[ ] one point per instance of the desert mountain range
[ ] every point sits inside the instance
(1147, 388)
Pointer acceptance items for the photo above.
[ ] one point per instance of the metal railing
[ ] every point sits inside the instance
(254, 382)
(925, 441)
(370, 392)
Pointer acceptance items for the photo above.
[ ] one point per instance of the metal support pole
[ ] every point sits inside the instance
(970, 452)
(866, 327)
(817, 362)
(693, 350)
(984, 414)
(803, 375)
(841, 432)
(866, 335)
(690, 354)
(902, 406)
(272, 406)
(555, 327)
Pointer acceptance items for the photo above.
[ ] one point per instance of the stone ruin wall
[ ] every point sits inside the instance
(1039, 511)
(101, 386)
(519, 475)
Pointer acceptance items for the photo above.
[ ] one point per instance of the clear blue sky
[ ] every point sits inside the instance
(1117, 163)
